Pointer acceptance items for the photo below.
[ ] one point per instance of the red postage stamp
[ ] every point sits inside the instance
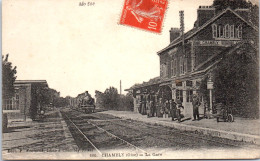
(144, 14)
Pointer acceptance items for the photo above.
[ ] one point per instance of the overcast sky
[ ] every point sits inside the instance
(83, 48)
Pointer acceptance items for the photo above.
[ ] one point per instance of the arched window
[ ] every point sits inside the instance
(232, 35)
(220, 31)
(226, 31)
(214, 31)
(239, 31)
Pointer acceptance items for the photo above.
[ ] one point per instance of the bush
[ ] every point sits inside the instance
(126, 103)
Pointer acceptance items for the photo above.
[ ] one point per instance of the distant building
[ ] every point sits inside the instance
(190, 57)
(19, 105)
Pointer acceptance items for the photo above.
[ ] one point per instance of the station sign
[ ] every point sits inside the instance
(210, 85)
(215, 42)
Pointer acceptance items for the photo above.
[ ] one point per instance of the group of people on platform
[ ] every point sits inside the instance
(167, 108)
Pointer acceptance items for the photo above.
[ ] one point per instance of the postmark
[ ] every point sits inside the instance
(144, 14)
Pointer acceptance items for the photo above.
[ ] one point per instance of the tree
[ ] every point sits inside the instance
(43, 96)
(126, 102)
(255, 15)
(40, 98)
(8, 78)
(111, 98)
(61, 102)
(223, 4)
(99, 99)
(54, 96)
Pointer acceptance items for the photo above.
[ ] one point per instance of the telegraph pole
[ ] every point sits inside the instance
(181, 13)
(182, 28)
(120, 88)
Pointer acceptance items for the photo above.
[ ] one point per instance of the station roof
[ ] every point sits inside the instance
(30, 82)
(195, 30)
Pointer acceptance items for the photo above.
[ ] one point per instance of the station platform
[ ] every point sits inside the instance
(241, 129)
(50, 135)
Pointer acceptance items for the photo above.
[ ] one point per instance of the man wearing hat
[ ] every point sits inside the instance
(160, 108)
(195, 104)
(173, 109)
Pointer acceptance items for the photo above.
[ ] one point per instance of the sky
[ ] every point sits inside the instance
(78, 48)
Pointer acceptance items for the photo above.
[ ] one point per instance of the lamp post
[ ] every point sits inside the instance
(210, 88)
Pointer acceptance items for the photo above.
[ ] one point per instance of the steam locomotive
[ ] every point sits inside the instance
(84, 102)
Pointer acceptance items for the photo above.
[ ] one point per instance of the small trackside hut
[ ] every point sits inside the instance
(18, 107)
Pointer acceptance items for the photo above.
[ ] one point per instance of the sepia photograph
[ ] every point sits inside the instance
(130, 79)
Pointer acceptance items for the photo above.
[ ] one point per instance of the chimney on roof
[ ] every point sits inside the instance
(205, 13)
(174, 33)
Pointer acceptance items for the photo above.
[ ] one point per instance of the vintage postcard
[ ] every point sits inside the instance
(130, 79)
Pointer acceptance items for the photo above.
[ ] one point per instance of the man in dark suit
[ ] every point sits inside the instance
(173, 109)
(195, 104)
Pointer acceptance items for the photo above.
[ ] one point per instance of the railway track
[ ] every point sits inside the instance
(80, 131)
(114, 122)
(173, 136)
(98, 138)
(192, 137)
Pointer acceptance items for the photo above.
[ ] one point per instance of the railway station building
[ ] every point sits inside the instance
(18, 106)
(191, 57)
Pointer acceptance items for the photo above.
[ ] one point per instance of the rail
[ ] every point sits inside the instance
(103, 130)
(192, 136)
(83, 134)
